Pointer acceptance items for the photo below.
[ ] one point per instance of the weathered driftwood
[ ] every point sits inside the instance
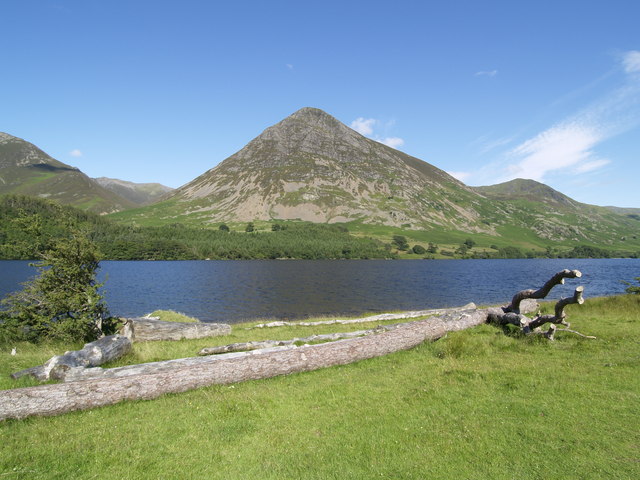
(512, 313)
(92, 354)
(557, 279)
(326, 337)
(372, 318)
(147, 329)
(65, 397)
(450, 316)
(80, 374)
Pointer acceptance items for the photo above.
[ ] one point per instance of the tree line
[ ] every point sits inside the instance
(30, 225)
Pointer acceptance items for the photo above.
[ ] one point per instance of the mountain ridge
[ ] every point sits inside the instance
(26, 169)
(311, 167)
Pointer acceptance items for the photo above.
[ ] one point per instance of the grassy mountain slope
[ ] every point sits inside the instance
(552, 216)
(27, 170)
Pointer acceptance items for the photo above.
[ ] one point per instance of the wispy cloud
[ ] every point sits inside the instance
(570, 146)
(75, 153)
(560, 147)
(631, 61)
(366, 126)
(486, 73)
(289, 66)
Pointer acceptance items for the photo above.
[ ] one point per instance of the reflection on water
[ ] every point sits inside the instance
(232, 291)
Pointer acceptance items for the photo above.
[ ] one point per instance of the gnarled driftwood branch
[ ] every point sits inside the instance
(557, 279)
(511, 314)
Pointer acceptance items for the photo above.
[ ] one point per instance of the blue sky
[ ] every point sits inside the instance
(161, 91)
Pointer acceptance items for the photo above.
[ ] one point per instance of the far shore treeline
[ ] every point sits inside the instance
(29, 224)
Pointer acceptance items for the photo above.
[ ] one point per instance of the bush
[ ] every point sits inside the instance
(419, 250)
(63, 301)
(223, 227)
(400, 242)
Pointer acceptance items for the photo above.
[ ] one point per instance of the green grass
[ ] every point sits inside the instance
(476, 404)
(171, 316)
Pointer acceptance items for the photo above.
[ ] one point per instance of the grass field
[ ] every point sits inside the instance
(478, 404)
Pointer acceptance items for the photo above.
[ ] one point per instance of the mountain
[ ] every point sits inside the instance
(138, 193)
(312, 167)
(27, 170)
(529, 190)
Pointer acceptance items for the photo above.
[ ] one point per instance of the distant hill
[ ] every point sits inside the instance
(529, 190)
(138, 193)
(27, 170)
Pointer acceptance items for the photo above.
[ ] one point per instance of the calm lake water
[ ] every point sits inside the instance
(233, 291)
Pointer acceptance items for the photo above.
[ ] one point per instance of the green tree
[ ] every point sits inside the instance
(250, 227)
(223, 227)
(400, 242)
(63, 302)
(470, 243)
(419, 250)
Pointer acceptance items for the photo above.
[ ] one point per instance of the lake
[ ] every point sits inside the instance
(232, 291)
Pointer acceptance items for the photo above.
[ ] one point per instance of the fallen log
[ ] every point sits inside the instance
(81, 374)
(372, 318)
(247, 346)
(148, 330)
(65, 397)
(450, 316)
(92, 354)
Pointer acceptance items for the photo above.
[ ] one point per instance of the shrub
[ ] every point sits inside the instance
(400, 242)
(419, 250)
(63, 301)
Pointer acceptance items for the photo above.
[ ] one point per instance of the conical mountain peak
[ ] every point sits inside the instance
(310, 166)
(309, 121)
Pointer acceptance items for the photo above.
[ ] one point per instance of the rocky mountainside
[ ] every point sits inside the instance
(138, 193)
(27, 170)
(312, 167)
